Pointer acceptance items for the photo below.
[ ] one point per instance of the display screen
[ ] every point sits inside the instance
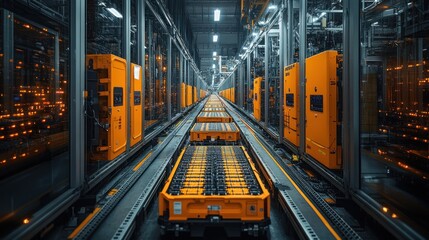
(118, 98)
(290, 100)
(316, 103)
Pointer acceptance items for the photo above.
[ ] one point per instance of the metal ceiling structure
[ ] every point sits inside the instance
(229, 30)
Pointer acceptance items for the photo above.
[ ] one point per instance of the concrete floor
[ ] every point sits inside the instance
(279, 228)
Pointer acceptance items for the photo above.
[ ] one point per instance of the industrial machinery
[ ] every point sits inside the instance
(257, 98)
(291, 103)
(214, 132)
(183, 95)
(136, 104)
(214, 186)
(214, 117)
(188, 95)
(106, 106)
(323, 125)
(216, 109)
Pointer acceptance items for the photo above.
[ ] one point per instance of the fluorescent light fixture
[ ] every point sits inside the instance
(261, 22)
(216, 15)
(215, 37)
(214, 54)
(214, 66)
(214, 59)
(245, 48)
(114, 12)
(254, 34)
(322, 14)
(272, 6)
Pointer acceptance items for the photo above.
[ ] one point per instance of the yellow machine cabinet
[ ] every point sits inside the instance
(194, 89)
(136, 104)
(233, 95)
(321, 109)
(291, 103)
(183, 95)
(257, 98)
(188, 95)
(107, 83)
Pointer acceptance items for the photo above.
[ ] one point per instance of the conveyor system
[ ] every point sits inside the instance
(214, 132)
(212, 186)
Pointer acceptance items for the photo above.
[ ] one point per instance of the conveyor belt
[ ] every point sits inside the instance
(214, 170)
(214, 132)
(213, 109)
(318, 226)
(214, 117)
(215, 127)
(214, 105)
(116, 217)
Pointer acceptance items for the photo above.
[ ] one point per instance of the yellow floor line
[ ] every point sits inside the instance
(83, 223)
(141, 162)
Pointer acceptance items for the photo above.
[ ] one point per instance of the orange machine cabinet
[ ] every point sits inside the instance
(291, 103)
(321, 109)
(112, 137)
(194, 89)
(136, 104)
(257, 98)
(233, 95)
(183, 95)
(188, 95)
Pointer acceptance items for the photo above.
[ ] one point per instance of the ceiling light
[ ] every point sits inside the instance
(214, 59)
(216, 15)
(245, 48)
(254, 34)
(114, 12)
(214, 66)
(214, 54)
(215, 37)
(261, 22)
(271, 7)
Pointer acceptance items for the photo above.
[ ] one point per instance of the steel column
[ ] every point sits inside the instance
(181, 80)
(169, 72)
(266, 79)
(249, 81)
(150, 67)
(289, 33)
(127, 56)
(351, 105)
(77, 88)
(141, 52)
(282, 56)
(302, 78)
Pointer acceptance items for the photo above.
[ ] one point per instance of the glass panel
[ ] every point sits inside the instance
(175, 80)
(250, 79)
(156, 73)
(394, 102)
(273, 77)
(258, 79)
(134, 32)
(34, 111)
(105, 27)
(105, 83)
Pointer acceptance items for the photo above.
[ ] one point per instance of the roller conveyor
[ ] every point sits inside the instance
(214, 117)
(213, 109)
(214, 170)
(214, 131)
(214, 186)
